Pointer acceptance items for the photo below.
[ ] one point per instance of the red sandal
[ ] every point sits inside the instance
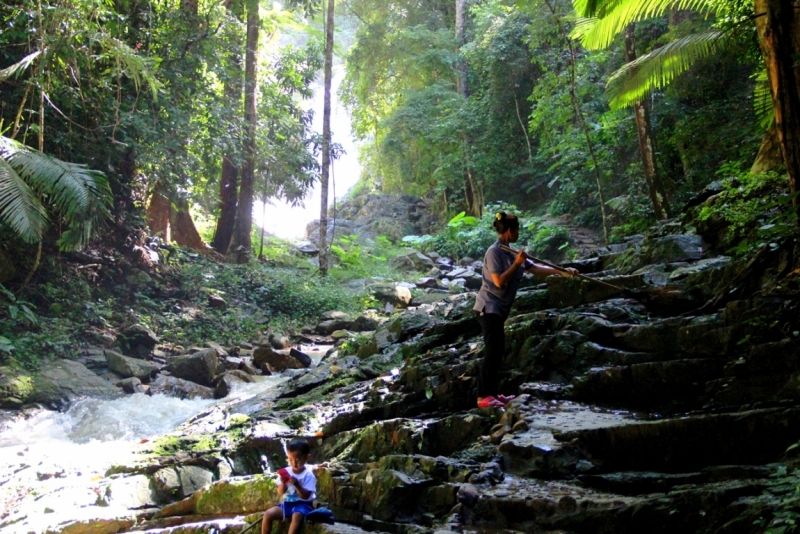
(489, 402)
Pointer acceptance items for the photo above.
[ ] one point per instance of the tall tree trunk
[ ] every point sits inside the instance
(473, 192)
(645, 132)
(228, 192)
(244, 211)
(229, 178)
(778, 30)
(461, 32)
(326, 143)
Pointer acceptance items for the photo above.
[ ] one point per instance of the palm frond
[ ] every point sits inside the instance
(583, 27)
(612, 21)
(73, 189)
(136, 67)
(19, 207)
(595, 8)
(634, 81)
(762, 100)
(17, 68)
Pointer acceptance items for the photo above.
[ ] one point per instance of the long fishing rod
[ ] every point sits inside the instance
(563, 270)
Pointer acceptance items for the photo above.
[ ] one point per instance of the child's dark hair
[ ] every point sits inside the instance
(299, 445)
(504, 221)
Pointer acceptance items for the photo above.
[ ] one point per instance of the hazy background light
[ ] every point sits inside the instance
(283, 220)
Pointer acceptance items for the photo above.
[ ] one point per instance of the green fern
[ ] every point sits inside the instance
(78, 194)
(19, 207)
(762, 100)
(637, 79)
(602, 22)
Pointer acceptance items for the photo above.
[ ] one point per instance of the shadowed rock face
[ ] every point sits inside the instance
(627, 420)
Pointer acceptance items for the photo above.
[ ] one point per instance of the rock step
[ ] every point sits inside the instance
(553, 507)
(679, 445)
(522, 500)
(531, 447)
(647, 384)
(645, 482)
(601, 355)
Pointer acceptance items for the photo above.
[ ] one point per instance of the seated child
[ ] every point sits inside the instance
(298, 485)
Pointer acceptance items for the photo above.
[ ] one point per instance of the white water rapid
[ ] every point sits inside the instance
(59, 458)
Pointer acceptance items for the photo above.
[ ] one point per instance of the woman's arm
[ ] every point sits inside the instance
(501, 279)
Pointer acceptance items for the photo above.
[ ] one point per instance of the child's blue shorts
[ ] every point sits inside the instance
(294, 507)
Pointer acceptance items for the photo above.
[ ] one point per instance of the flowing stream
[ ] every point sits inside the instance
(57, 455)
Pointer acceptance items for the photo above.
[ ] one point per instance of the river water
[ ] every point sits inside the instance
(50, 462)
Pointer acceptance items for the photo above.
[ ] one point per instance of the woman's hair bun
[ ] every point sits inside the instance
(503, 221)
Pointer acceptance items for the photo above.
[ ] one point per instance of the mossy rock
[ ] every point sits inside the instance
(16, 385)
(296, 420)
(230, 496)
(172, 444)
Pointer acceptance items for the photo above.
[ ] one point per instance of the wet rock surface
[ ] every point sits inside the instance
(629, 417)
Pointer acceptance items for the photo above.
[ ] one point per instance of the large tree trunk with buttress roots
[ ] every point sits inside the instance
(182, 228)
(173, 224)
(158, 215)
(770, 157)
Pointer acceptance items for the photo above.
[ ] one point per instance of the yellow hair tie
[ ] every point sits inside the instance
(498, 216)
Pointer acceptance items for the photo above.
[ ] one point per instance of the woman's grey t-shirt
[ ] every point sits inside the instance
(493, 299)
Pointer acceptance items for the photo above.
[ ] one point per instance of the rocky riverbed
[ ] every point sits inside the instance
(668, 412)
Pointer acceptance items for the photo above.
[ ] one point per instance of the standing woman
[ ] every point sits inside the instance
(502, 272)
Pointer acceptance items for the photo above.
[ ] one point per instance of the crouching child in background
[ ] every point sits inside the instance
(298, 485)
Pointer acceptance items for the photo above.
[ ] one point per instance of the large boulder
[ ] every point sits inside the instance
(137, 340)
(412, 261)
(273, 361)
(202, 367)
(391, 293)
(307, 247)
(366, 323)
(674, 248)
(130, 492)
(181, 481)
(227, 381)
(16, 385)
(666, 249)
(231, 496)
(130, 367)
(179, 388)
(329, 326)
(60, 381)
(398, 329)
(370, 215)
